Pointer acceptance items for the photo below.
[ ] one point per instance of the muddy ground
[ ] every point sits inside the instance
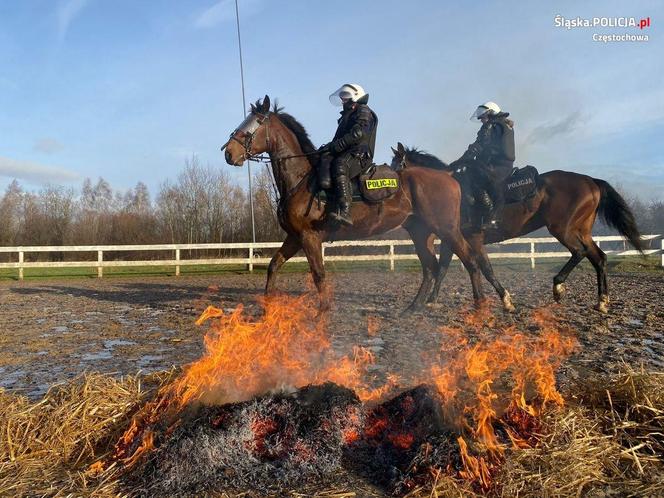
(52, 330)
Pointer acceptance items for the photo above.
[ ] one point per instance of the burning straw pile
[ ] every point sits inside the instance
(270, 408)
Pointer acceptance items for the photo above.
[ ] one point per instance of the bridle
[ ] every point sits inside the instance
(250, 127)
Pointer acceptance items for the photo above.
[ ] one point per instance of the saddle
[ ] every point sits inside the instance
(375, 184)
(521, 185)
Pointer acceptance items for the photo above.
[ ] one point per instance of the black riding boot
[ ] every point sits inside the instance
(344, 200)
(484, 211)
(324, 167)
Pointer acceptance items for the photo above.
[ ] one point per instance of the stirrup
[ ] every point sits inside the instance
(342, 218)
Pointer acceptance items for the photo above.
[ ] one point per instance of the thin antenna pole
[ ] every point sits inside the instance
(244, 113)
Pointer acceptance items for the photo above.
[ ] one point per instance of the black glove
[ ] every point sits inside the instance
(338, 146)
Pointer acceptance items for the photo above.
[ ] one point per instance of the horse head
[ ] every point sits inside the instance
(399, 160)
(251, 137)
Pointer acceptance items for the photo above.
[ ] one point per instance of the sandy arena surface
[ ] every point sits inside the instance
(52, 330)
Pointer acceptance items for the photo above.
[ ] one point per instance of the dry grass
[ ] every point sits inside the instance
(46, 446)
(609, 442)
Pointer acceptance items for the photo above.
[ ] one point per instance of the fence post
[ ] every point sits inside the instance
(532, 255)
(177, 258)
(100, 259)
(391, 257)
(251, 258)
(20, 265)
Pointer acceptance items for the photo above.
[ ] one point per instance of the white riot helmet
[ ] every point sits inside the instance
(352, 92)
(487, 107)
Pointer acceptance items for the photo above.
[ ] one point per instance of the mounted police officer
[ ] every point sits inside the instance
(352, 148)
(489, 160)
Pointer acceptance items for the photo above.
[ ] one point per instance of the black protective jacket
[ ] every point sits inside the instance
(494, 145)
(356, 132)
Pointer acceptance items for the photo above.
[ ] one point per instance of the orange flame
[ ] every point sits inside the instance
(466, 378)
(504, 378)
(287, 346)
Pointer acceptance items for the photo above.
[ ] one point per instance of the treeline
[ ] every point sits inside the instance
(201, 205)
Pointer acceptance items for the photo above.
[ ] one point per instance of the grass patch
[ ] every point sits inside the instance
(629, 264)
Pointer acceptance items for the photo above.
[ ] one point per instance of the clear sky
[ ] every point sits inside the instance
(127, 89)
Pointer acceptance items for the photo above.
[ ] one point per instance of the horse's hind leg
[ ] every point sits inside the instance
(598, 259)
(477, 243)
(443, 265)
(287, 250)
(573, 241)
(469, 259)
(423, 240)
(561, 277)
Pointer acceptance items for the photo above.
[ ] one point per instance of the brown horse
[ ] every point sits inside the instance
(566, 203)
(426, 203)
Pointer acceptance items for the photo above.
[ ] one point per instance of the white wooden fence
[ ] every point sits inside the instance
(254, 255)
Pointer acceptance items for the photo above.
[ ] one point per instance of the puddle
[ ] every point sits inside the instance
(148, 363)
(11, 378)
(110, 344)
(38, 391)
(100, 355)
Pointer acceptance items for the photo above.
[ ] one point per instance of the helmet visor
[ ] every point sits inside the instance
(479, 112)
(340, 96)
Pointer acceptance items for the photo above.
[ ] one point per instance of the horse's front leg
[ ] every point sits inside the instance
(312, 245)
(476, 242)
(287, 250)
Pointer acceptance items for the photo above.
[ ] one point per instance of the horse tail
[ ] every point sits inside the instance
(616, 213)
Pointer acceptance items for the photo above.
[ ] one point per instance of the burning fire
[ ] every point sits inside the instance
(465, 377)
(286, 347)
(491, 389)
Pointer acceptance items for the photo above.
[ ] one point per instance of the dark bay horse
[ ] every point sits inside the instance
(566, 203)
(427, 202)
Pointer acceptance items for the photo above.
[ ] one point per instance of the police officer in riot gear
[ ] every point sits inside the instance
(489, 161)
(352, 149)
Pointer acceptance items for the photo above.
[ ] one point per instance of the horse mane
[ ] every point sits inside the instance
(293, 125)
(425, 159)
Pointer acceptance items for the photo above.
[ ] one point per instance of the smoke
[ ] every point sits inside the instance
(551, 130)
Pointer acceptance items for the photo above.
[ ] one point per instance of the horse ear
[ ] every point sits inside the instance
(253, 108)
(401, 148)
(266, 104)
(394, 151)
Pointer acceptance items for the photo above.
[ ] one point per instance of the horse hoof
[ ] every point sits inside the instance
(411, 310)
(507, 303)
(558, 292)
(603, 305)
